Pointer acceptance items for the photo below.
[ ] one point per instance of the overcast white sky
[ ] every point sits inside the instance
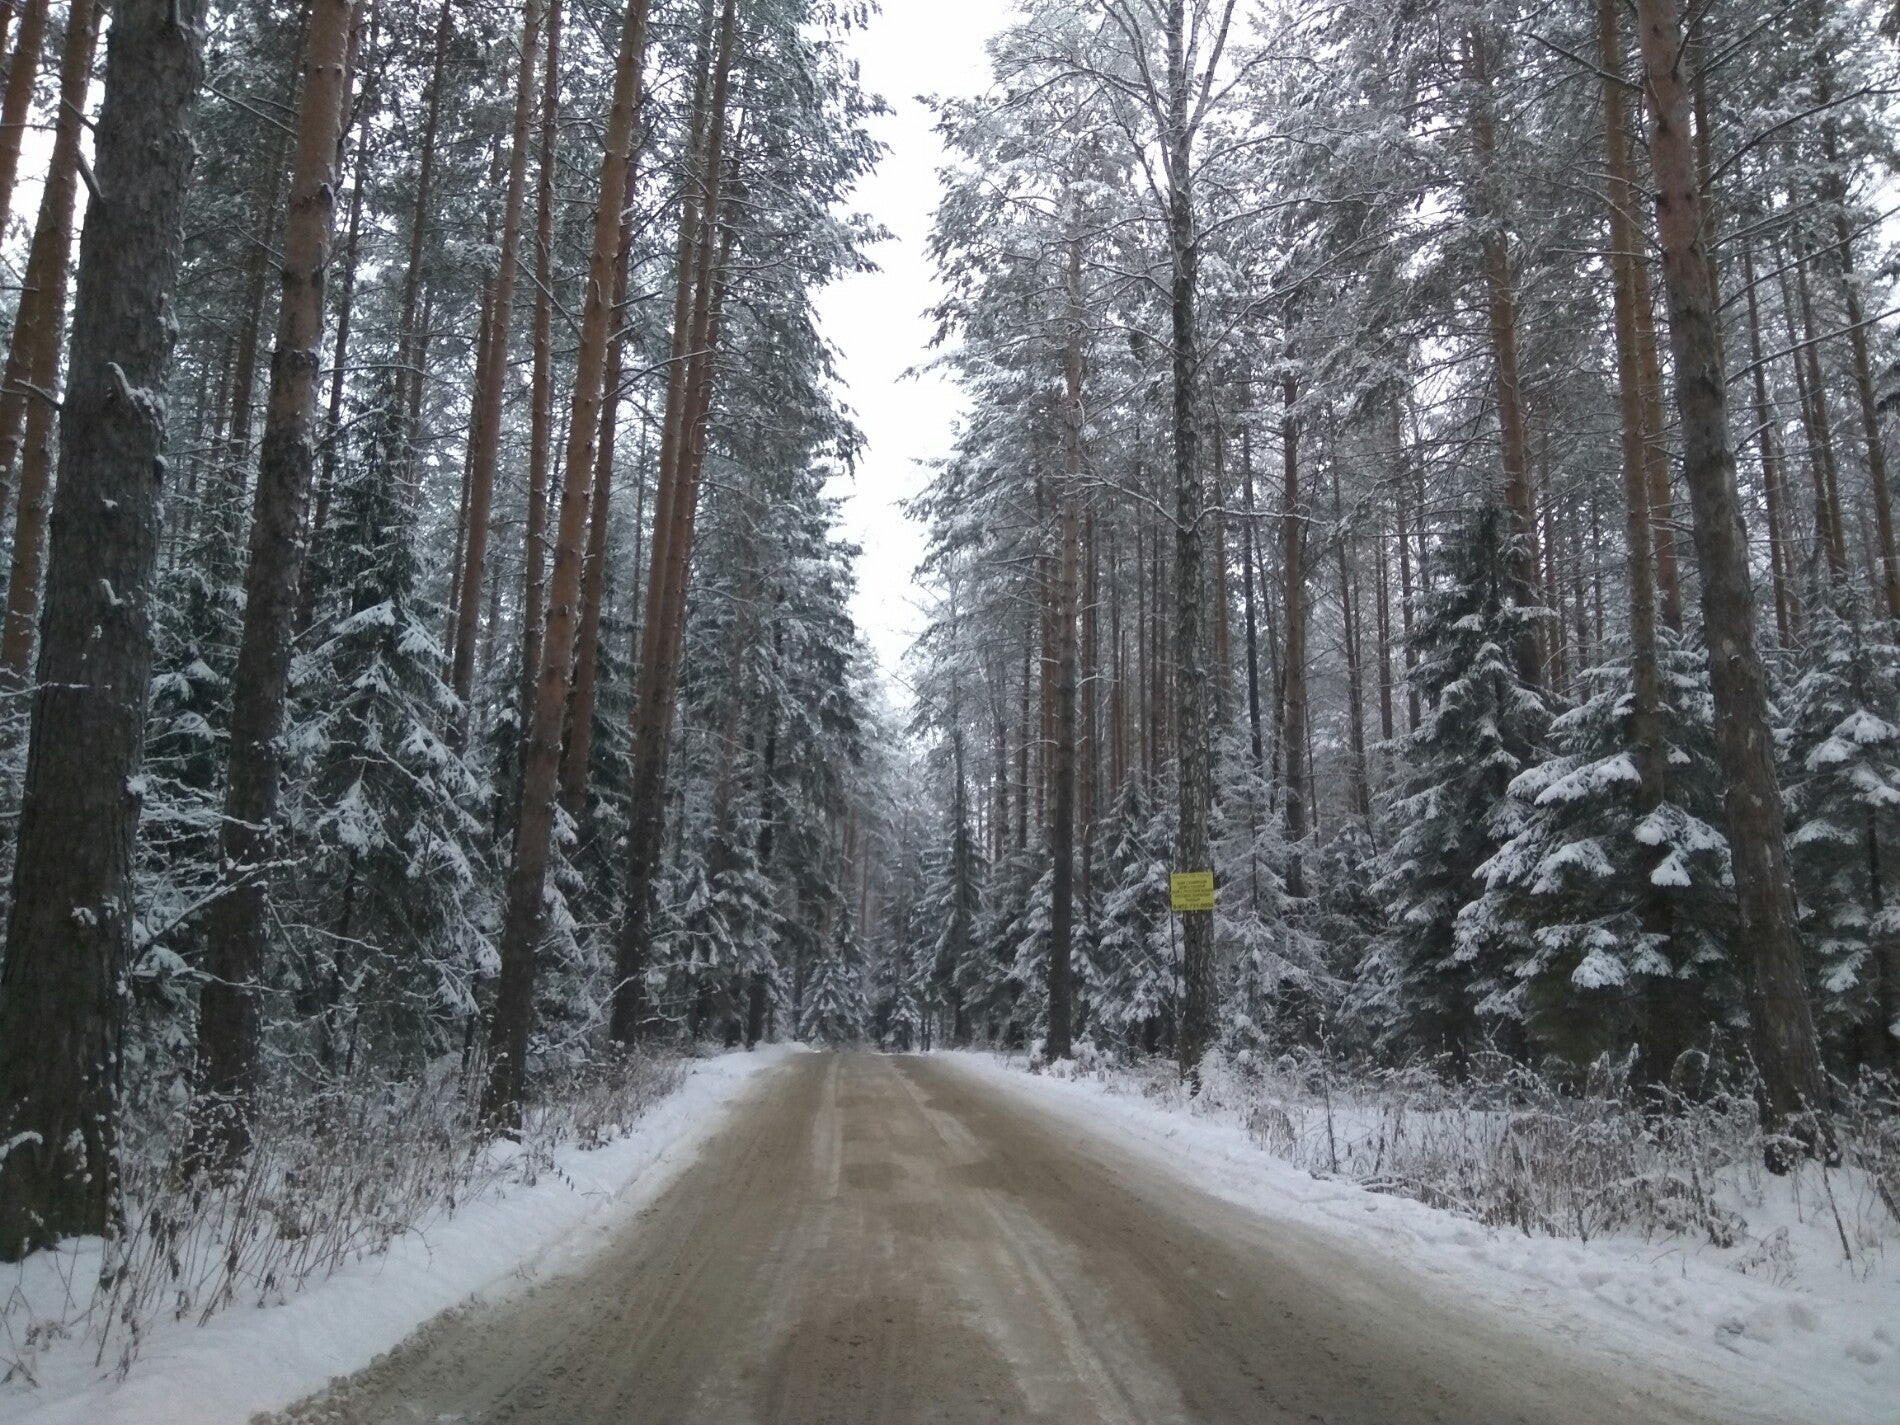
(878, 320)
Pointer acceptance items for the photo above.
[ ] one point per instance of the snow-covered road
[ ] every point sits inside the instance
(874, 1239)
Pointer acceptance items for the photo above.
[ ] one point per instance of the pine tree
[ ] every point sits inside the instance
(70, 931)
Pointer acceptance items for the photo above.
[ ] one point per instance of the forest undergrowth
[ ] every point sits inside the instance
(335, 1178)
(1510, 1147)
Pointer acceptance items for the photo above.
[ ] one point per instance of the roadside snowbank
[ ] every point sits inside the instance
(247, 1360)
(1785, 1326)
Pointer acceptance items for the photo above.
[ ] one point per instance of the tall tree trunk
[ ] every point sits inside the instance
(1249, 535)
(525, 908)
(580, 716)
(258, 266)
(23, 68)
(491, 371)
(1834, 194)
(1662, 507)
(1626, 254)
(410, 337)
(675, 509)
(1062, 824)
(1293, 661)
(346, 307)
(1663, 1036)
(229, 1017)
(1807, 356)
(1774, 489)
(541, 397)
(1501, 306)
(69, 937)
(1781, 1027)
(40, 326)
(1400, 503)
(34, 346)
(1193, 751)
(1358, 777)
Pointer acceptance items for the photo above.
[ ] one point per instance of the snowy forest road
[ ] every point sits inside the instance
(886, 1240)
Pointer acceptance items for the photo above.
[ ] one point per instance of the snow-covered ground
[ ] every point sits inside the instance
(247, 1359)
(1778, 1319)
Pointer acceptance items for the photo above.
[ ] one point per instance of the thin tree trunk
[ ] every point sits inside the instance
(229, 1017)
(491, 371)
(1293, 662)
(41, 324)
(1774, 490)
(701, 261)
(1808, 357)
(409, 332)
(346, 306)
(1062, 826)
(525, 908)
(1412, 707)
(541, 398)
(1248, 536)
(1663, 1036)
(1358, 778)
(1193, 752)
(34, 346)
(1834, 193)
(1502, 309)
(69, 937)
(1781, 1027)
(23, 69)
(1662, 507)
(580, 737)
(257, 274)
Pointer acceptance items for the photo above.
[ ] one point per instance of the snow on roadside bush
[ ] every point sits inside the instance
(334, 1178)
(1512, 1150)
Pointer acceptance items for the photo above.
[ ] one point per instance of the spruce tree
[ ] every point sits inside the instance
(1843, 791)
(1421, 984)
(391, 859)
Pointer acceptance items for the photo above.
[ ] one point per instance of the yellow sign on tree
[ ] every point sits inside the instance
(1191, 890)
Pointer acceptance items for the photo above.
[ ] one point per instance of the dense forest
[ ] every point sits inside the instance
(1425, 463)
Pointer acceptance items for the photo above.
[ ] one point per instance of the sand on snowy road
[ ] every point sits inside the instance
(878, 1241)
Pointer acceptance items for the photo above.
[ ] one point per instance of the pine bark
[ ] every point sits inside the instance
(69, 937)
(1781, 1026)
(525, 908)
(229, 1018)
